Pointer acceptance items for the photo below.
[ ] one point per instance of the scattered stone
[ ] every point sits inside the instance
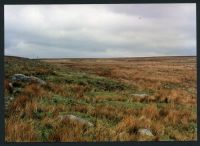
(11, 98)
(24, 78)
(140, 95)
(10, 85)
(144, 131)
(76, 119)
(17, 90)
(8, 99)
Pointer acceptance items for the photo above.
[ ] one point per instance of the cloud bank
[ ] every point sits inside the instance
(112, 30)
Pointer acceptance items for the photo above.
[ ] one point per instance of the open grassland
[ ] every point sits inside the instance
(119, 96)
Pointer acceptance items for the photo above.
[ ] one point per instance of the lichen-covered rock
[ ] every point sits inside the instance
(20, 77)
(75, 119)
(24, 78)
(35, 79)
(140, 95)
(144, 131)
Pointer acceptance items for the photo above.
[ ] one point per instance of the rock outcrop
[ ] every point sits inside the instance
(29, 79)
(76, 120)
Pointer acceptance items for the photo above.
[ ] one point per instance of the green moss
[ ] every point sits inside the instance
(38, 114)
(96, 82)
(26, 66)
(192, 127)
(124, 104)
(103, 94)
(170, 85)
(44, 131)
(166, 138)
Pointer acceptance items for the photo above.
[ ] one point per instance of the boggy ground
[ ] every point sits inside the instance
(119, 96)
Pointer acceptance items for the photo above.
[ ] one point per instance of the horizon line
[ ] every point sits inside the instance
(43, 58)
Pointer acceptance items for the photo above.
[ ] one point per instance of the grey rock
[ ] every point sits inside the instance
(144, 131)
(20, 77)
(11, 98)
(140, 95)
(35, 79)
(24, 78)
(17, 90)
(8, 99)
(76, 119)
(10, 85)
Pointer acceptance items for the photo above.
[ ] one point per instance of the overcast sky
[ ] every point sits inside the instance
(112, 30)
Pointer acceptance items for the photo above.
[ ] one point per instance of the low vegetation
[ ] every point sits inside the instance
(118, 96)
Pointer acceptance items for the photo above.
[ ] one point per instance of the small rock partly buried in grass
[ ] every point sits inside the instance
(75, 119)
(144, 131)
(140, 95)
(24, 78)
(8, 99)
(17, 90)
(10, 87)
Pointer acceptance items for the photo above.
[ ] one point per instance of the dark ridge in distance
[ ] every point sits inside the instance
(114, 58)
(17, 57)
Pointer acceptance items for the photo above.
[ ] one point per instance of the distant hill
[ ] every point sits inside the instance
(114, 58)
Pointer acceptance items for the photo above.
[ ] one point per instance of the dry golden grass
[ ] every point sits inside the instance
(169, 110)
(18, 104)
(19, 131)
(81, 108)
(107, 112)
(151, 112)
(34, 90)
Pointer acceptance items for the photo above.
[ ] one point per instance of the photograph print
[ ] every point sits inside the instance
(100, 72)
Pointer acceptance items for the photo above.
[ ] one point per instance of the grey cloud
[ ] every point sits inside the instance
(100, 30)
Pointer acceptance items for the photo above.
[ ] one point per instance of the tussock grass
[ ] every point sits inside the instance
(105, 92)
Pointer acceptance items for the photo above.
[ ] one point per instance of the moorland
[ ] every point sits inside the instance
(113, 99)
